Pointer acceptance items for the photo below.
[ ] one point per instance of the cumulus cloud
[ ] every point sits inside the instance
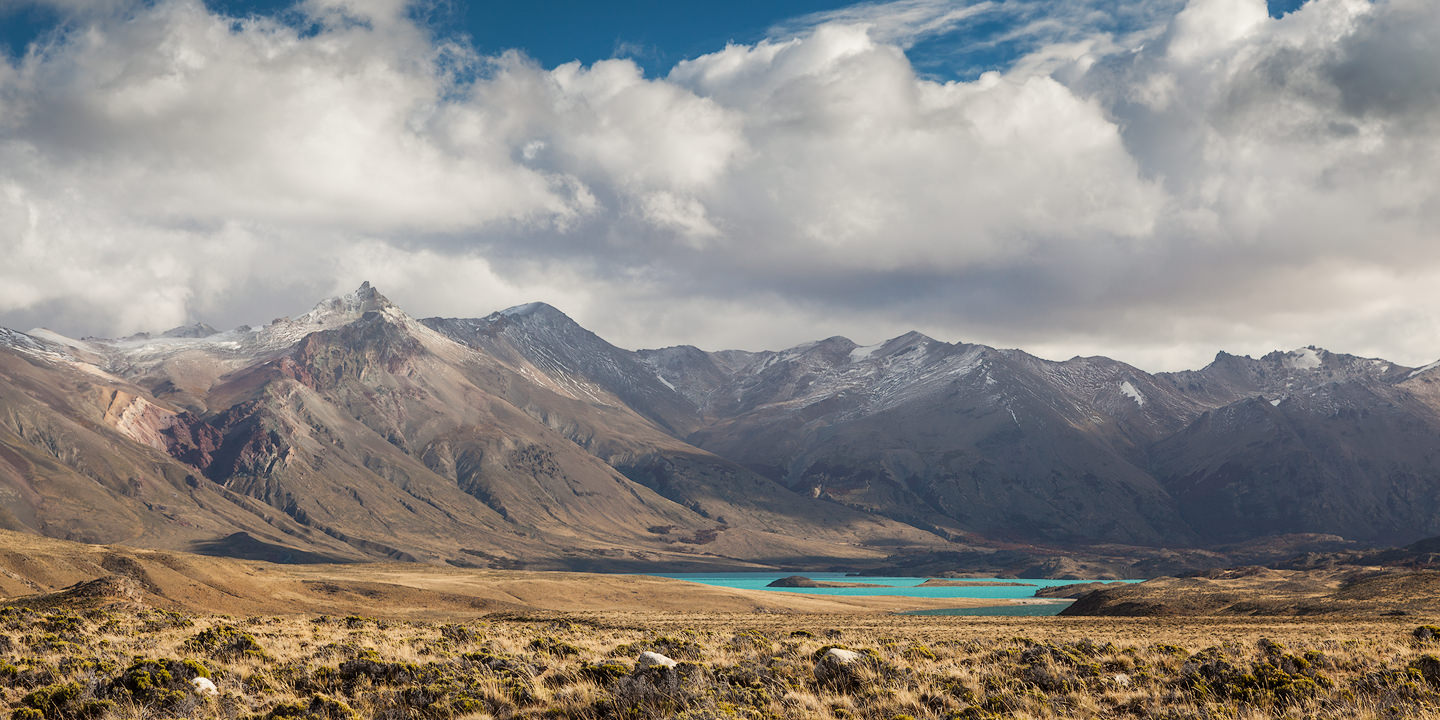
(1153, 187)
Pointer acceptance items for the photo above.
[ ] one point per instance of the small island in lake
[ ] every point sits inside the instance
(938, 582)
(800, 581)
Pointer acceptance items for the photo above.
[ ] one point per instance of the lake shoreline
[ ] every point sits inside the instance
(929, 595)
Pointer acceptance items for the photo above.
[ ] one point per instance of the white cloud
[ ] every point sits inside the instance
(897, 22)
(1207, 27)
(1152, 192)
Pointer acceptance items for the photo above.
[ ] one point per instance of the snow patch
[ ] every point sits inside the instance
(19, 341)
(1305, 358)
(1276, 401)
(1425, 369)
(55, 338)
(1131, 392)
(520, 310)
(861, 353)
(663, 381)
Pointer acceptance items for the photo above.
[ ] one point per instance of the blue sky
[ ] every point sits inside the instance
(654, 33)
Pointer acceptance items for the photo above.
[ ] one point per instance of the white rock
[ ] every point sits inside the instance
(654, 659)
(1121, 679)
(203, 686)
(835, 664)
(840, 655)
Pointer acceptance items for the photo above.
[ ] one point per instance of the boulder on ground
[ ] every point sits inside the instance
(653, 659)
(204, 686)
(838, 666)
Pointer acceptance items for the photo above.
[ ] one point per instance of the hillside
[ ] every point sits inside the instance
(355, 432)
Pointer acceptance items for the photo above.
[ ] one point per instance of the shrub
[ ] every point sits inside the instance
(162, 685)
(551, 646)
(52, 700)
(224, 642)
(1427, 667)
(605, 673)
(320, 707)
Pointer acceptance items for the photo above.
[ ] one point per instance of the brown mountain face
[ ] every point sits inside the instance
(355, 432)
(973, 442)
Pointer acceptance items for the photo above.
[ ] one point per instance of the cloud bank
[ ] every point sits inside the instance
(1203, 177)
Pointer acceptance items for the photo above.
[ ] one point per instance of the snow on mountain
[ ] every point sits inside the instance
(192, 358)
(20, 341)
(1130, 392)
(1229, 378)
(544, 345)
(1306, 358)
(911, 426)
(1424, 369)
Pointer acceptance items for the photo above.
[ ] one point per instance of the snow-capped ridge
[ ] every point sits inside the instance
(1423, 369)
(350, 305)
(530, 308)
(20, 341)
(1306, 358)
(862, 353)
(909, 340)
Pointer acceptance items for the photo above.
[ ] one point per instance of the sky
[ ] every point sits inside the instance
(1153, 181)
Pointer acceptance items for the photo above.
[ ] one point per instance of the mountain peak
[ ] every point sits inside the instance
(531, 308)
(358, 302)
(1305, 358)
(914, 337)
(331, 313)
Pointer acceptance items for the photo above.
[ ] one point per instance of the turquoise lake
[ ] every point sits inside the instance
(903, 586)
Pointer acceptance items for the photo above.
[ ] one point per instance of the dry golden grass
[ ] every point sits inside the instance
(87, 665)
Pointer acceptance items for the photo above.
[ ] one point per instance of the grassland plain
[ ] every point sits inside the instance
(135, 662)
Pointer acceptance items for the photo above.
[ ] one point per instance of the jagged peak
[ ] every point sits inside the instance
(333, 313)
(1305, 358)
(362, 300)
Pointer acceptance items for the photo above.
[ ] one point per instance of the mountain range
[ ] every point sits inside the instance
(521, 439)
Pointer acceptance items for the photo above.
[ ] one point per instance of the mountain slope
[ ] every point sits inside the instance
(578, 385)
(962, 437)
(354, 431)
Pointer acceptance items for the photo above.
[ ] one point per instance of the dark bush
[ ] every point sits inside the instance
(224, 642)
(320, 707)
